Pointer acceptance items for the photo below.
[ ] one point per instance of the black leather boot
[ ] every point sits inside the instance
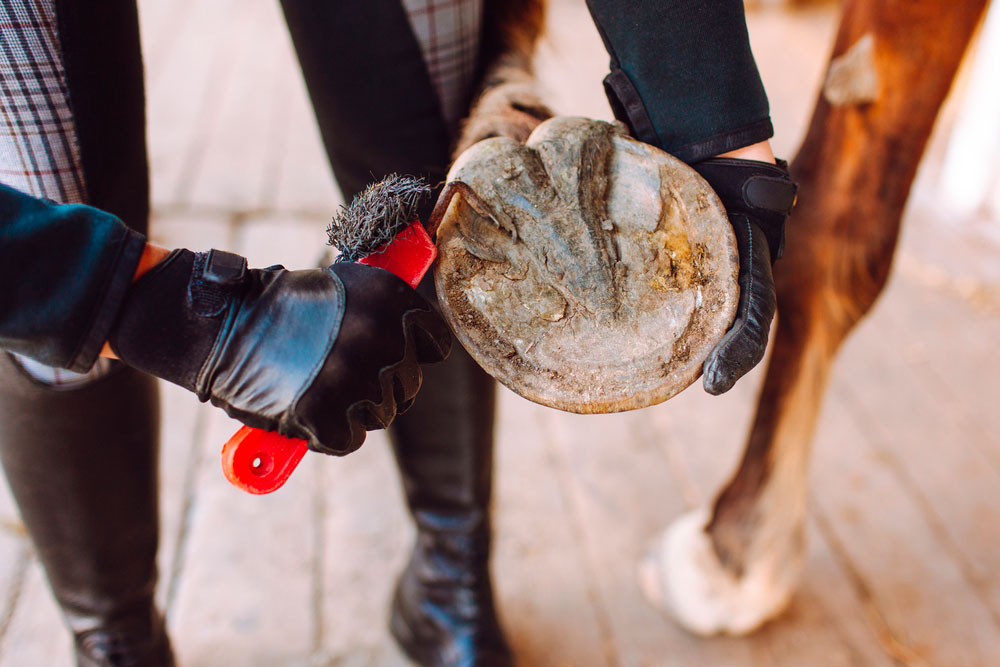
(82, 465)
(442, 610)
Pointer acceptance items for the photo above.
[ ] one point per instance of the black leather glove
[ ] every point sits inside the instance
(321, 354)
(758, 197)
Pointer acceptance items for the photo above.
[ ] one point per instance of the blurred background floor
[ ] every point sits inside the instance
(904, 530)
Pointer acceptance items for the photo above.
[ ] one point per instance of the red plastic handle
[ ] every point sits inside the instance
(409, 256)
(259, 461)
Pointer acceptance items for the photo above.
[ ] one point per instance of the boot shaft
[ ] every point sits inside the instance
(81, 463)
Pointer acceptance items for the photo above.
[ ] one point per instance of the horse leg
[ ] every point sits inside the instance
(508, 103)
(730, 568)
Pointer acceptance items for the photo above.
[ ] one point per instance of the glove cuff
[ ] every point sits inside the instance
(762, 191)
(172, 316)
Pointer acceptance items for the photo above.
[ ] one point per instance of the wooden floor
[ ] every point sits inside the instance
(904, 529)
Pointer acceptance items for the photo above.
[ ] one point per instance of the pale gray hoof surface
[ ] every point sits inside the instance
(585, 270)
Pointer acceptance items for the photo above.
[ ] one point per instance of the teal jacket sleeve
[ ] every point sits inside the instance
(64, 270)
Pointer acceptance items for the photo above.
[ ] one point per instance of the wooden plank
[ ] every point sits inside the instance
(246, 590)
(36, 634)
(366, 536)
(365, 513)
(825, 620)
(918, 592)
(296, 243)
(551, 625)
(159, 24)
(291, 114)
(14, 561)
(183, 418)
(925, 437)
(247, 586)
(546, 597)
(622, 491)
(703, 435)
(204, 163)
(194, 231)
(182, 102)
(937, 254)
(302, 182)
(182, 422)
(952, 354)
(232, 170)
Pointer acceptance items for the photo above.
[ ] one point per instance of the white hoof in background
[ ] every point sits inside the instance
(683, 576)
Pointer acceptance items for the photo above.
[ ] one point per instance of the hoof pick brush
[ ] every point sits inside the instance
(379, 228)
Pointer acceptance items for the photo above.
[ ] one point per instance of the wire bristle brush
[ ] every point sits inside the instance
(376, 215)
(379, 228)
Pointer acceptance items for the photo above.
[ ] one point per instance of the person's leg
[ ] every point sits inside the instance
(370, 91)
(81, 463)
(396, 66)
(80, 451)
(443, 610)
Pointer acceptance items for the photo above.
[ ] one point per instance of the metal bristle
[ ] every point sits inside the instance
(376, 215)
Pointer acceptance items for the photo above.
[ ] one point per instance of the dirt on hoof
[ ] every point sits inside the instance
(584, 270)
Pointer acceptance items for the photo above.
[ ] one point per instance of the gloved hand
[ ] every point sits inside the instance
(321, 354)
(758, 197)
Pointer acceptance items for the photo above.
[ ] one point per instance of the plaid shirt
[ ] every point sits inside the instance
(39, 153)
(448, 32)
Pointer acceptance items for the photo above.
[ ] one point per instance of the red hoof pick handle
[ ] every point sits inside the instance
(259, 461)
